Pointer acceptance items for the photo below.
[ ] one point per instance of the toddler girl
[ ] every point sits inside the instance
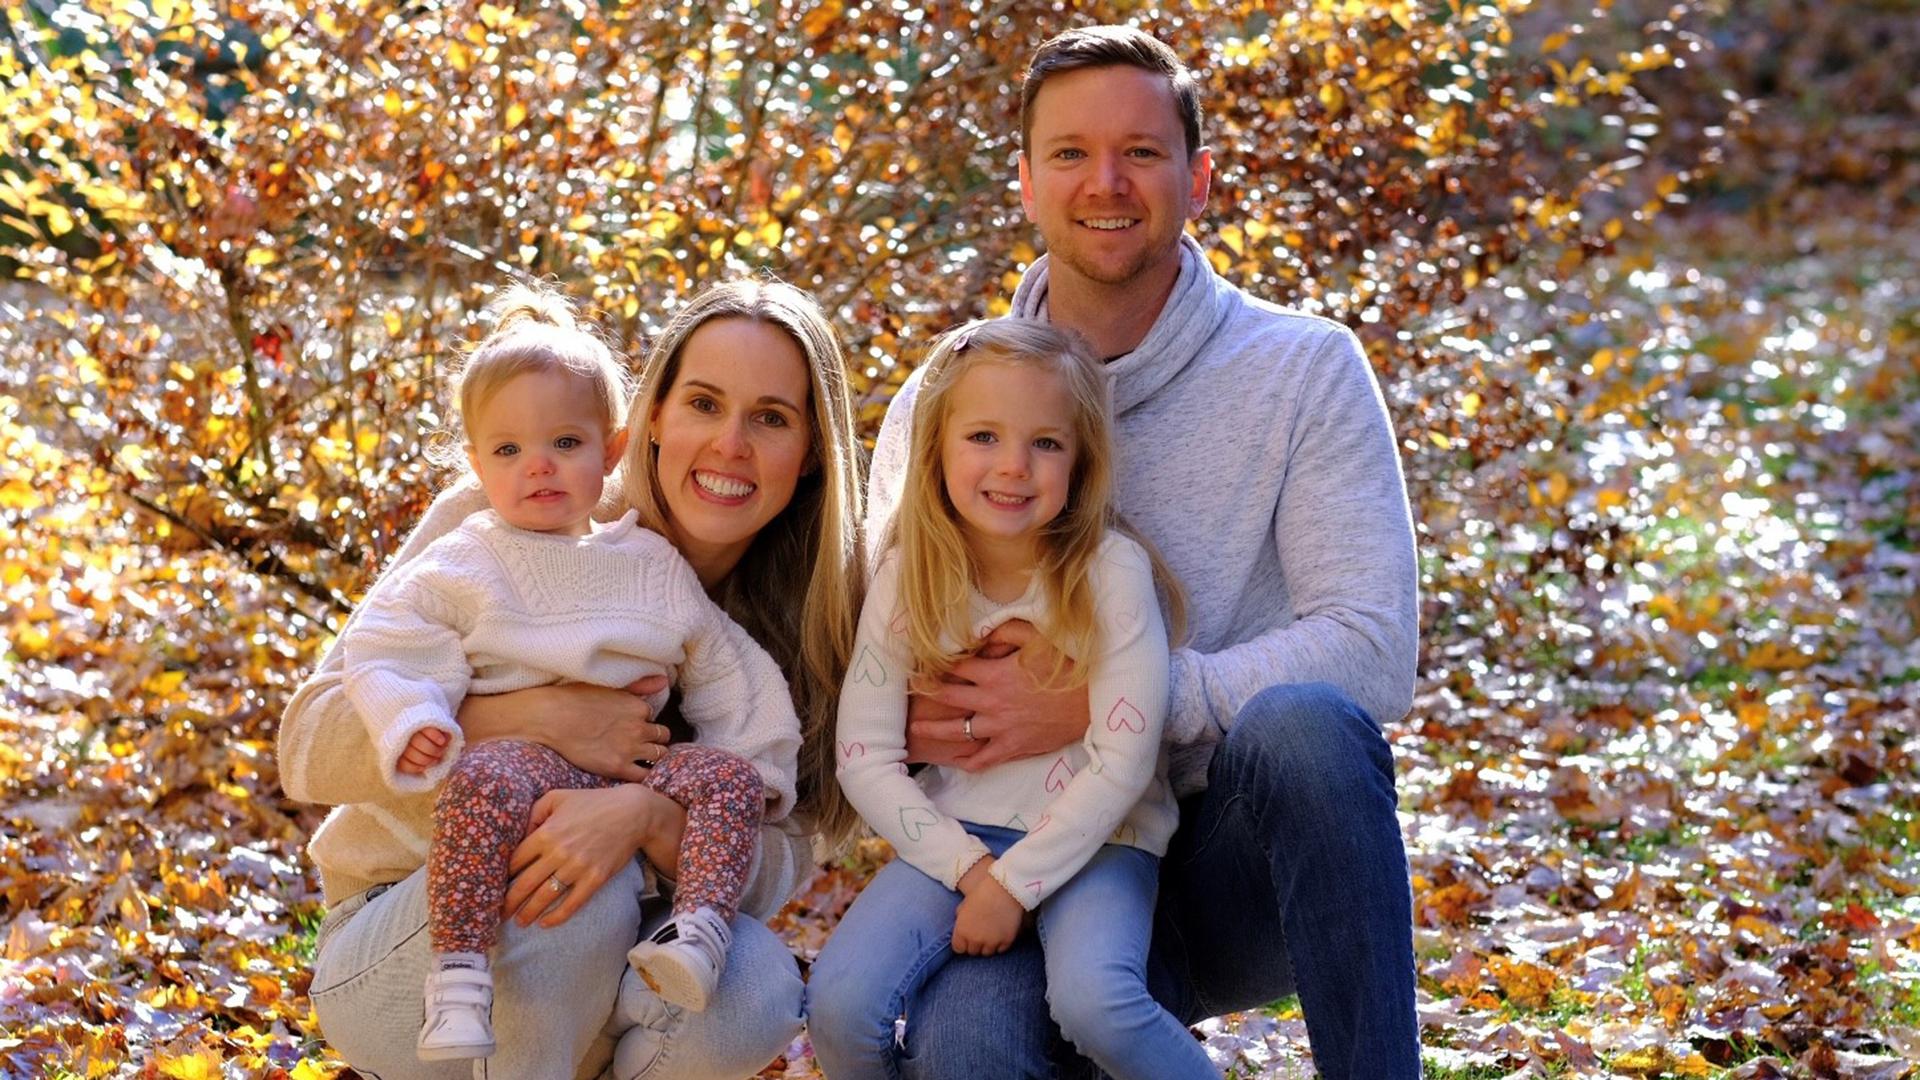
(1007, 514)
(531, 592)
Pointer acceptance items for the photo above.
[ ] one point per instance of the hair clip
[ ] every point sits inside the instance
(961, 343)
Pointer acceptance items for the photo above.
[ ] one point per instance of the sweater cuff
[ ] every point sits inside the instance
(963, 862)
(391, 741)
(1189, 721)
(1027, 894)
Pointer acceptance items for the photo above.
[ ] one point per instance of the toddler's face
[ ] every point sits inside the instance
(542, 451)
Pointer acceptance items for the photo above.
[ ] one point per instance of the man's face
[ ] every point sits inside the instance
(1107, 178)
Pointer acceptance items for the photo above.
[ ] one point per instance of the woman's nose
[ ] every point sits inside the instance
(731, 439)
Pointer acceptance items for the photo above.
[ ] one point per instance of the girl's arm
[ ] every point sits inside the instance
(1128, 693)
(871, 745)
(326, 754)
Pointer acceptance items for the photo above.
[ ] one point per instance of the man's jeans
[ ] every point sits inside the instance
(1094, 931)
(1287, 874)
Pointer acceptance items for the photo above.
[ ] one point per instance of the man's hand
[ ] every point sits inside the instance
(424, 751)
(988, 919)
(1003, 687)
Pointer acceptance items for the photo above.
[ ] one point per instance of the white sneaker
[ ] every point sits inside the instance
(683, 959)
(459, 1015)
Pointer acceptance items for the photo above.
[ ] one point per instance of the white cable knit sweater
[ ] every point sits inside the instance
(488, 609)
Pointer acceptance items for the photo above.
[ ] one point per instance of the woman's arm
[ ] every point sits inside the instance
(606, 731)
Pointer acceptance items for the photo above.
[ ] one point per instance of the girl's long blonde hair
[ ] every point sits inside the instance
(937, 570)
(798, 588)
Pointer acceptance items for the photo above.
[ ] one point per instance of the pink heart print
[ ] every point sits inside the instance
(1058, 776)
(1045, 820)
(914, 821)
(1035, 886)
(851, 750)
(899, 623)
(868, 669)
(1124, 715)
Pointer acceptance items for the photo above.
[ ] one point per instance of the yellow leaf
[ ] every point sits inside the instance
(771, 232)
(1611, 500)
(1557, 488)
(17, 494)
(166, 683)
(201, 1064)
(821, 19)
(59, 219)
(1440, 440)
(394, 323)
(262, 257)
(1332, 98)
(1235, 240)
(307, 1070)
(516, 114)
(1470, 405)
(392, 103)
(1602, 360)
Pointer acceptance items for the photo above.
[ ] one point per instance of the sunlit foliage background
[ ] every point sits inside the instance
(1634, 278)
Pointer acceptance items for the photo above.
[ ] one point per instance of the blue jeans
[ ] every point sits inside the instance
(1092, 932)
(1287, 875)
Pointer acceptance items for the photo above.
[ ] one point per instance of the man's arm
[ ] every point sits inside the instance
(1345, 540)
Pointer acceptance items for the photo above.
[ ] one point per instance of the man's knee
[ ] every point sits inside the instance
(1301, 736)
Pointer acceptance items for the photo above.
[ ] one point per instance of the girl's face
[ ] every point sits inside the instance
(1007, 454)
(541, 449)
(733, 433)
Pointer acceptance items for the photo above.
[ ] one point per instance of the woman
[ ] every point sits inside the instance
(742, 453)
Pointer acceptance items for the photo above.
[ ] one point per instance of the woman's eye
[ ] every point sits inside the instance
(704, 404)
(773, 419)
(567, 442)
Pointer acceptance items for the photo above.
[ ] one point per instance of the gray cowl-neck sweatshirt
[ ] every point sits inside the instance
(1256, 453)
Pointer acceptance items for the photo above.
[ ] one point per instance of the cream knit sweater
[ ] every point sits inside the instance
(488, 609)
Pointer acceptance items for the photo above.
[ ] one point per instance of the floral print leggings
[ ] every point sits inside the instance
(482, 811)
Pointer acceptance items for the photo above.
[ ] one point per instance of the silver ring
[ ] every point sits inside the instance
(556, 885)
(966, 726)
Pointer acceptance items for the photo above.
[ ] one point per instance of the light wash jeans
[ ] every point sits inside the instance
(1093, 932)
(1287, 874)
(565, 1003)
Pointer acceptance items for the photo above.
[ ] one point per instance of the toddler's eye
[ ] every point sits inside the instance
(506, 449)
(567, 442)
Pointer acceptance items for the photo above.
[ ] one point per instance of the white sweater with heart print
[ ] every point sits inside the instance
(1111, 787)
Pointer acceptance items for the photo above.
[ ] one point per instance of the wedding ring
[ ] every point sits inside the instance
(966, 727)
(556, 885)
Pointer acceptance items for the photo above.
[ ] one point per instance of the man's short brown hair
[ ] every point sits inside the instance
(1111, 46)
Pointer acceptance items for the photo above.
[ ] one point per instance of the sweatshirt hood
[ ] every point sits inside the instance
(1200, 302)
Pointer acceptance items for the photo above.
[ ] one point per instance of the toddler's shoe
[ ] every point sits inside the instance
(682, 960)
(459, 1015)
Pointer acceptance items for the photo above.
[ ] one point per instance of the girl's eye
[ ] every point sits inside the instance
(567, 442)
(984, 438)
(507, 449)
(1047, 442)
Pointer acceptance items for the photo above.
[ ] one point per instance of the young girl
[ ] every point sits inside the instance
(1007, 514)
(531, 592)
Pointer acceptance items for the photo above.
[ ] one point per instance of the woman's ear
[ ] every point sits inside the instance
(616, 445)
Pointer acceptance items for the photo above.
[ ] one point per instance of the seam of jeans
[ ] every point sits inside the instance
(314, 992)
(897, 1000)
(1280, 924)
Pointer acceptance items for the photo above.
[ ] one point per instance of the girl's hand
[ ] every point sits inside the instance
(1003, 688)
(604, 731)
(987, 922)
(578, 839)
(424, 751)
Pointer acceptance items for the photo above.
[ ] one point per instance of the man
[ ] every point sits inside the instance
(1255, 452)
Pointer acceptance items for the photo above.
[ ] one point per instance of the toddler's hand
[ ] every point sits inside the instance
(423, 751)
(988, 921)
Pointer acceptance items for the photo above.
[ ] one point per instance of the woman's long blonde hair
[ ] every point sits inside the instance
(798, 588)
(938, 571)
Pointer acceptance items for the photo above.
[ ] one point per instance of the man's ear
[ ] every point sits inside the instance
(616, 445)
(1026, 184)
(1201, 180)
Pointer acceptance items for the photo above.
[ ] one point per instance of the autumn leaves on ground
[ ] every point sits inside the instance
(1654, 353)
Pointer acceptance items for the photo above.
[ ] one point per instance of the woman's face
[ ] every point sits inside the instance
(733, 433)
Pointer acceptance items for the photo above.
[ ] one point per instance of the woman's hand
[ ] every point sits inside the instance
(609, 732)
(578, 839)
(1003, 688)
